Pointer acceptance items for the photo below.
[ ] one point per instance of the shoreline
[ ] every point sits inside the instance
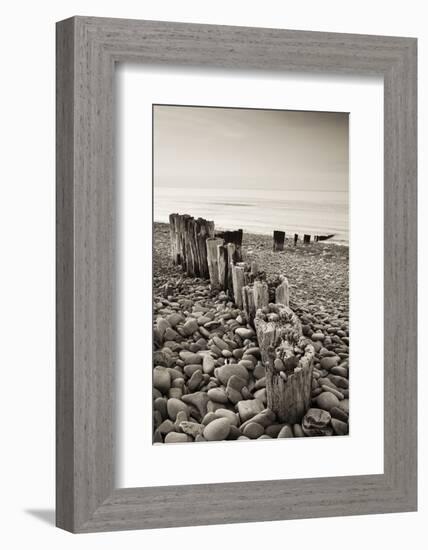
(339, 242)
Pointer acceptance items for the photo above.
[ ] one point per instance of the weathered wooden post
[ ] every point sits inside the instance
(282, 292)
(238, 282)
(223, 266)
(288, 373)
(278, 240)
(248, 302)
(212, 243)
(231, 259)
(203, 230)
(306, 239)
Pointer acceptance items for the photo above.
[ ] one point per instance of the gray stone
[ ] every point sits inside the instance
(226, 371)
(174, 406)
(261, 395)
(341, 371)
(191, 428)
(286, 431)
(174, 319)
(344, 405)
(264, 418)
(234, 433)
(339, 427)
(171, 335)
(162, 324)
(190, 326)
(236, 382)
(190, 369)
(297, 430)
(208, 364)
(161, 379)
(317, 422)
(217, 430)
(339, 381)
(209, 417)
(174, 437)
(160, 405)
(157, 418)
(218, 395)
(253, 430)
(230, 415)
(261, 383)
(212, 406)
(335, 392)
(166, 426)
(195, 381)
(176, 393)
(337, 412)
(245, 333)
(233, 395)
(259, 371)
(157, 437)
(273, 430)
(329, 362)
(255, 351)
(221, 344)
(190, 358)
(327, 400)
(249, 408)
(199, 400)
(181, 417)
(162, 358)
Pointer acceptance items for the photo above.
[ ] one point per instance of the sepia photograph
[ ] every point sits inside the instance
(250, 274)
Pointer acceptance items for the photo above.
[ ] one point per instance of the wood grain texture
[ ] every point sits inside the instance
(87, 49)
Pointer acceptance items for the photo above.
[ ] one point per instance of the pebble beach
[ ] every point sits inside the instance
(208, 380)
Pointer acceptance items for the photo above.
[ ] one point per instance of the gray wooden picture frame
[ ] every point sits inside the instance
(87, 50)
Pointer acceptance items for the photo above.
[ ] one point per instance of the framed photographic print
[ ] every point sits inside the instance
(235, 206)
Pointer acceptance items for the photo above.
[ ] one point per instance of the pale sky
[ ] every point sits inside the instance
(244, 148)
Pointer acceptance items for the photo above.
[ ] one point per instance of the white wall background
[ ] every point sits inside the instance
(27, 271)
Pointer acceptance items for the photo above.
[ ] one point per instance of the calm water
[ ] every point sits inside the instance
(259, 211)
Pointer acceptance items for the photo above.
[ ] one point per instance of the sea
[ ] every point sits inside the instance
(260, 211)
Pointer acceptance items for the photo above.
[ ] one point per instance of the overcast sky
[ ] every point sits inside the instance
(244, 148)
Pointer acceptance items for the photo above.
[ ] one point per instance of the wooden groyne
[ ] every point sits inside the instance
(285, 353)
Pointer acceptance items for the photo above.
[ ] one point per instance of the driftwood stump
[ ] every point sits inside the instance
(288, 358)
(237, 282)
(223, 266)
(212, 258)
(278, 240)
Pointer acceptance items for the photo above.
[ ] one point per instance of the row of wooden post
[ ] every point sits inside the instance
(201, 252)
(279, 239)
